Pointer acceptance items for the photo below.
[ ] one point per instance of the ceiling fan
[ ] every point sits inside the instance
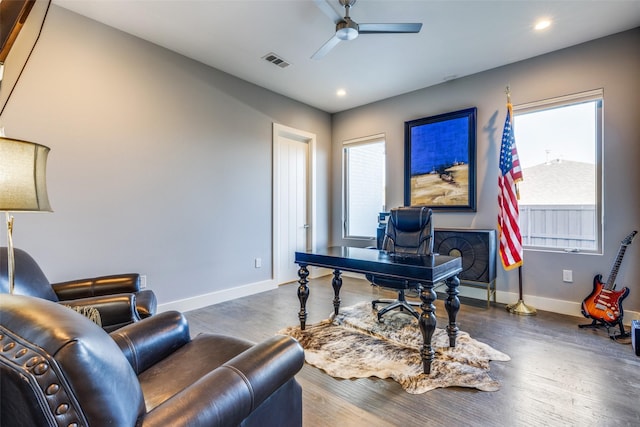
(348, 29)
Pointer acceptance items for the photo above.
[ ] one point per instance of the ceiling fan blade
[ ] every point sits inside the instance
(330, 44)
(390, 28)
(326, 8)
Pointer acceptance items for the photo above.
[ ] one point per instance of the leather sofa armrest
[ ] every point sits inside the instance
(228, 394)
(103, 285)
(146, 342)
(146, 303)
(115, 310)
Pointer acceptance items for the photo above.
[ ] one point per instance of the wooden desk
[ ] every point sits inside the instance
(426, 270)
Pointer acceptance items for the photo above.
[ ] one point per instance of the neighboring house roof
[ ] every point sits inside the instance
(558, 182)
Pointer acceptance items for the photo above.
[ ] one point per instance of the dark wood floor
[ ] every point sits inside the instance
(559, 375)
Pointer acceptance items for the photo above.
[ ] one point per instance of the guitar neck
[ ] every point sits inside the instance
(611, 281)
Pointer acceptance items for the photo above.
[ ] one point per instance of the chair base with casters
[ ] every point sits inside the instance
(400, 302)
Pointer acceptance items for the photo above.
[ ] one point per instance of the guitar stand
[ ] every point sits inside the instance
(597, 324)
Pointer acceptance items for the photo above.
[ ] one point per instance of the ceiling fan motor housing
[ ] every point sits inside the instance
(347, 29)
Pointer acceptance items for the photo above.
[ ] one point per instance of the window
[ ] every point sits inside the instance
(559, 144)
(364, 185)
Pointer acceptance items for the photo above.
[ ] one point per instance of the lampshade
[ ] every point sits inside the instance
(23, 185)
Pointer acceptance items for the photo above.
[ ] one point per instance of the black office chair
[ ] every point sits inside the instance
(409, 233)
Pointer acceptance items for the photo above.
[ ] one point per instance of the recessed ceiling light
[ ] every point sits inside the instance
(542, 24)
(341, 92)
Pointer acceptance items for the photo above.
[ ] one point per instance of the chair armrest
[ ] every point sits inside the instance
(146, 303)
(115, 310)
(103, 285)
(147, 342)
(228, 394)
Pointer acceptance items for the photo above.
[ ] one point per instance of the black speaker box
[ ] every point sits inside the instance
(476, 247)
(635, 336)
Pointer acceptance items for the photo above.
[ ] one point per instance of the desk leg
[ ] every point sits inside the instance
(336, 283)
(452, 305)
(427, 324)
(303, 294)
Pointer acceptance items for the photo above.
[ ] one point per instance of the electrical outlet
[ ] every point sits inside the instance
(258, 262)
(567, 276)
(143, 281)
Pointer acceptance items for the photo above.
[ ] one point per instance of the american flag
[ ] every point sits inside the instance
(508, 213)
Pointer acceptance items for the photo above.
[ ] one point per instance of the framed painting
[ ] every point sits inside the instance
(440, 161)
(12, 16)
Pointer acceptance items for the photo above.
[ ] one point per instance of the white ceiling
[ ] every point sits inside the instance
(458, 38)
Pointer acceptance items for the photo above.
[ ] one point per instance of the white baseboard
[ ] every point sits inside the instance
(216, 297)
(315, 272)
(569, 308)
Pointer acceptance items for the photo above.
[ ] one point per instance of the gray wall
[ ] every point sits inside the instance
(612, 63)
(162, 165)
(158, 164)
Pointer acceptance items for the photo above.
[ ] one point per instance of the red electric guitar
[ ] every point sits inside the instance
(604, 304)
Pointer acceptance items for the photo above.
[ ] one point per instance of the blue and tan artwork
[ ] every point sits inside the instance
(440, 163)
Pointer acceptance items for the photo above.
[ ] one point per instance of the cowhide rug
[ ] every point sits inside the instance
(355, 345)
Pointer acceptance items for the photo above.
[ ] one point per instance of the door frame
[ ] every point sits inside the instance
(310, 139)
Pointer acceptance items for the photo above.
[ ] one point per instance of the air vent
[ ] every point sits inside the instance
(276, 60)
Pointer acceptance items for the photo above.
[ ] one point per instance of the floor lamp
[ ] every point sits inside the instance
(23, 186)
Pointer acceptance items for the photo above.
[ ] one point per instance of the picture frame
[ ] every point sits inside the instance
(12, 16)
(440, 161)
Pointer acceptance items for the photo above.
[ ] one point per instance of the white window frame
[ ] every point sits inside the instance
(373, 139)
(566, 100)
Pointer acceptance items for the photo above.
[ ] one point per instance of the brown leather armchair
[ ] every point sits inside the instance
(57, 368)
(118, 298)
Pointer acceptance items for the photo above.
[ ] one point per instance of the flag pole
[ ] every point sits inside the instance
(520, 307)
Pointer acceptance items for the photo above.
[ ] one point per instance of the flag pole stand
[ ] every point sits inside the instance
(520, 307)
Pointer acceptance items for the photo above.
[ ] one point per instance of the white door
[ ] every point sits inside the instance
(292, 216)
